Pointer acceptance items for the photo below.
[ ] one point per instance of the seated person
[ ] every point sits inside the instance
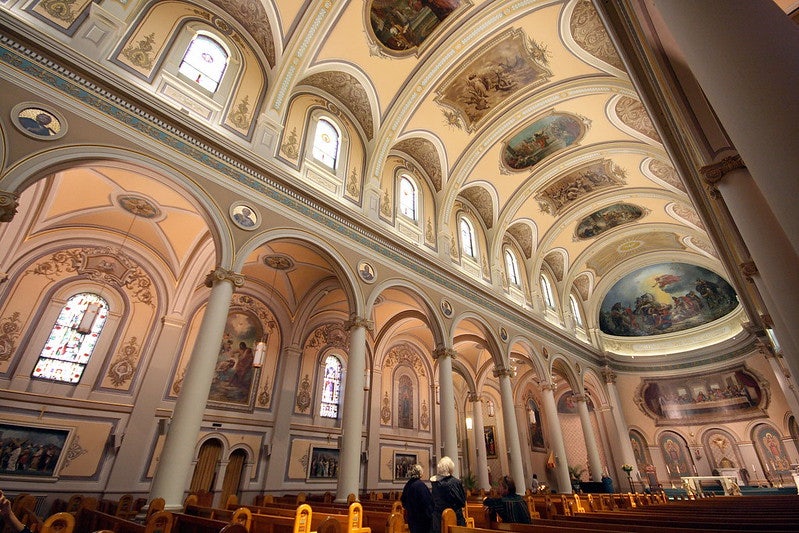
(510, 507)
(10, 519)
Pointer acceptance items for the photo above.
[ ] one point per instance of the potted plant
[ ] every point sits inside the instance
(469, 483)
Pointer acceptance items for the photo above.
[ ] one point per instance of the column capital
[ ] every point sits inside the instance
(444, 352)
(358, 322)
(547, 385)
(502, 372)
(221, 274)
(715, 172)
(473, 397)
(609, 375)
(580, 397)
(8, 206)
(749, 270)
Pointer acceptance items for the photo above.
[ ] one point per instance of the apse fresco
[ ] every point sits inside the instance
(717, 396)
(540, 139)
(665, 298)
(608, 218)
(405, 24)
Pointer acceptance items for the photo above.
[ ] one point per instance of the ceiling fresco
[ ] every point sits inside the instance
(665, 298)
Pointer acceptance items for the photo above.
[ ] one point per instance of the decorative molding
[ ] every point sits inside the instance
(9, 202)
(221, 274)
(748, 270)
(714, 172)
(444, 352)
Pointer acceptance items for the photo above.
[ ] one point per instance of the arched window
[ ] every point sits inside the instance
(204, 62)
(72, 339)
(546, 291)
(575, 308)
(467, 238)
(512, 268)
(326, 143)
(331, 387)
(405, 402)
(409, 198)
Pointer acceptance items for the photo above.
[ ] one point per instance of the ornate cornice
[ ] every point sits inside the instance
(220, 274)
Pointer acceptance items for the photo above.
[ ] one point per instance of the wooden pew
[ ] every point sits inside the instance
(93, 520)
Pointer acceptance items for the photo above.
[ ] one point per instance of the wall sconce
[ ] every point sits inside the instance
(469, 423)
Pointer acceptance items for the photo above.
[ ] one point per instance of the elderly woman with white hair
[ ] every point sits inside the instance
(448, 493)
(417, 502)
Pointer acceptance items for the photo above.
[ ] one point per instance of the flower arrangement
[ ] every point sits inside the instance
(627, 468)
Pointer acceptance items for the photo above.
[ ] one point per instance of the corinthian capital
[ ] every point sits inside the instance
(220, 274)
(608, 375)
(714, 172)
(8, 206)
(444, 352)
(358, 322)
(502, 371)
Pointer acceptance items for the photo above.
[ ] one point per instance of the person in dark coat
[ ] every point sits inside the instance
(448, 493)
(417, 502)
(510, 507)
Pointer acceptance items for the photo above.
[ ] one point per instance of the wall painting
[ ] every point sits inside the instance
(676, 455)
(733, 394)
(665, 298)
(234, 382)
(404, 24)
(31, 451)
(606, 219)
(771, 451)
(543, 137)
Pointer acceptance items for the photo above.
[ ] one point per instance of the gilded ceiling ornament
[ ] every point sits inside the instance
(687, 213)
(304, 394)
(423, 152)
(555, 261)
(124, 367)
(253, 18)
(140, 54)
(589, 33)
(241, 117)
(385, 204)
(349, 91)
(523, 234)
(141, 207)
(385, 411)
(702, 245)
(405, 353)
(291, 147)
(63, 9)
(332, 334)
(74, 451)
(429, 236)
(666, 172)
(481, 200)
(582, 283)
(580, 184)
(353, 183)
(633, 114)
(10, 329)
(424, 418)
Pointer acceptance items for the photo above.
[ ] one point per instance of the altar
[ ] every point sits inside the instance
(694, 485)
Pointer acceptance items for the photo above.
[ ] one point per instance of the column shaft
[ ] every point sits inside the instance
(511, 432)
(562, 477)
(449, 434)
(280, 444)
(480, 445)
(352, 418)
(594, 463)
(622, 432)
(174, 466)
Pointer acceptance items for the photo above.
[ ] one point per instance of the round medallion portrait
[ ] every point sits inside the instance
(367, 272)
(244, 216)
(38, 122)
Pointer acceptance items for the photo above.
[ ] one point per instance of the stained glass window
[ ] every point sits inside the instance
(72, 339)
(326, 143)
(408, 198)
(204, 62)
(575, 308)
(405, 401)
(331, 387)
(546, 290)
(467, 238)
(512, 268)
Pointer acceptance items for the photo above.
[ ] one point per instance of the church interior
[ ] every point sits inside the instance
(265, 247)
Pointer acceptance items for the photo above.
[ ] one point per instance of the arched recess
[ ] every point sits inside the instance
(207, 466)
(234, 474)
(721, 449)
(676, 454)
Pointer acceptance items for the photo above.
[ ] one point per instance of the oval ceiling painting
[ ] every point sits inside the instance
(607, 218)
(404, 24)
(665, 298)
(540, 139)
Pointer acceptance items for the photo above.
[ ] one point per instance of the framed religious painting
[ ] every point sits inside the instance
(323, 464)
(491, 441)
(31, 451)
(402, 465)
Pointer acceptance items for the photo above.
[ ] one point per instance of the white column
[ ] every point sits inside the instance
(783, 378)
(774, 263)
(562, 477)
(174, 465)
(352, 419)
(479, 442)
(511, 429)
(622, 431)
(753, 93)
(286, 393)
(594, 463)
(449, 434)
